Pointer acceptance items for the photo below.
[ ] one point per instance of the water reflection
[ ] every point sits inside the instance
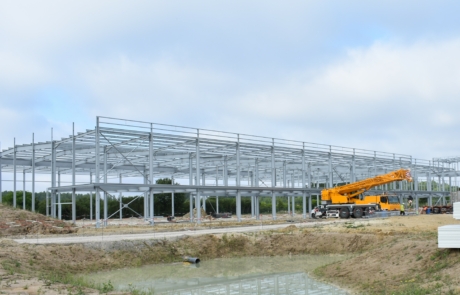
(271, 275)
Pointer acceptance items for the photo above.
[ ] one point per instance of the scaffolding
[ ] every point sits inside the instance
(205, 163)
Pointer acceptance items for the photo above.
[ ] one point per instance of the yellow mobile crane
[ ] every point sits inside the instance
(348, 200)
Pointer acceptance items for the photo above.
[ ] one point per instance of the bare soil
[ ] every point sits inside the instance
(397, 255)
(20, 222)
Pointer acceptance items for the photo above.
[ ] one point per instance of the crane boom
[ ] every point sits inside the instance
(343, 194)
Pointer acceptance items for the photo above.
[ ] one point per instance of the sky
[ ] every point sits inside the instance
(377, 75)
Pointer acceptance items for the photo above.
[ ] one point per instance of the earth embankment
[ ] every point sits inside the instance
(397, 255)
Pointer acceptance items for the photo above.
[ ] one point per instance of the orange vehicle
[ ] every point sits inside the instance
(349, 200)
(385, 201)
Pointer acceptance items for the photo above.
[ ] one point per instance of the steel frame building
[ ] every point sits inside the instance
(204, 163)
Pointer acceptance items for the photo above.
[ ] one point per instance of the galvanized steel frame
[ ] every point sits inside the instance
(208, 163)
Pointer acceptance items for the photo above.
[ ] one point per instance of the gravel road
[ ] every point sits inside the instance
(156, 235)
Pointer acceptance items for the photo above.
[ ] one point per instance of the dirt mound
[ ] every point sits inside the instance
(20, 222)
(187, 216)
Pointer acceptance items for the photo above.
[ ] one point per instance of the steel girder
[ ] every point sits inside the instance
(125, 146)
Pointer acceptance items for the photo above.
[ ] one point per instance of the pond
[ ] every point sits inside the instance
(249, 275)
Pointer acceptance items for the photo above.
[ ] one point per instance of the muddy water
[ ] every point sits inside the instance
(251, 275)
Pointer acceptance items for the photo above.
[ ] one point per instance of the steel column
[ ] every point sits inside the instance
(47, 197)
(190, 167)
(151, 197)
(120, 199)
(198, 170)
(146, 197)
(273, 164)
(203, 199)
(14, 173)
(284, 175)
(238, 180)
(256, 173)
(353, 167)
(98, 176)
(33, 173)
(197, 206)
(74, 205)
(105, 193)
(273, 180)
(252, 206)
(190, 197)
(256, 213)
(375, 163)
(330, 172)
(59, 197)
(53, 178)
(394, 168)
(91, 197)
(238, 205)
(304, 185)
(152, 206)
(24, 189)
(428, 181)
(198, 194)
(289, 204)
(225, 171)
(238, 177)
(172, 197)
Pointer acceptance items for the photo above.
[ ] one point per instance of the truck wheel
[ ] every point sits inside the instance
(313, 216)
(358, 212)
(344, 213)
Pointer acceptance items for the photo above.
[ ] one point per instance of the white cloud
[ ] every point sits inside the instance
(158, 90)
(367, 79)
(240, 67)
(21, 71)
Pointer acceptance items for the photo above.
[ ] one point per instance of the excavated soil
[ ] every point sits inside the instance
(15, 222)
(397, 255)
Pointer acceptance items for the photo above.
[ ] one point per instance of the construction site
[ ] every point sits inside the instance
(121, 156)
(357, 193)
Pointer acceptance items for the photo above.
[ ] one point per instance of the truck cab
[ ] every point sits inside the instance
(386, 202)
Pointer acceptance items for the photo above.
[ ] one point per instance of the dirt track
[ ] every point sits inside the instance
(398, 255)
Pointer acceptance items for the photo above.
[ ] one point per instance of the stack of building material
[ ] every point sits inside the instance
(457, 210)
(449, 235)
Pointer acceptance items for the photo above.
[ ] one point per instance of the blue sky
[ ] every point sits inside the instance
(376, 75)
